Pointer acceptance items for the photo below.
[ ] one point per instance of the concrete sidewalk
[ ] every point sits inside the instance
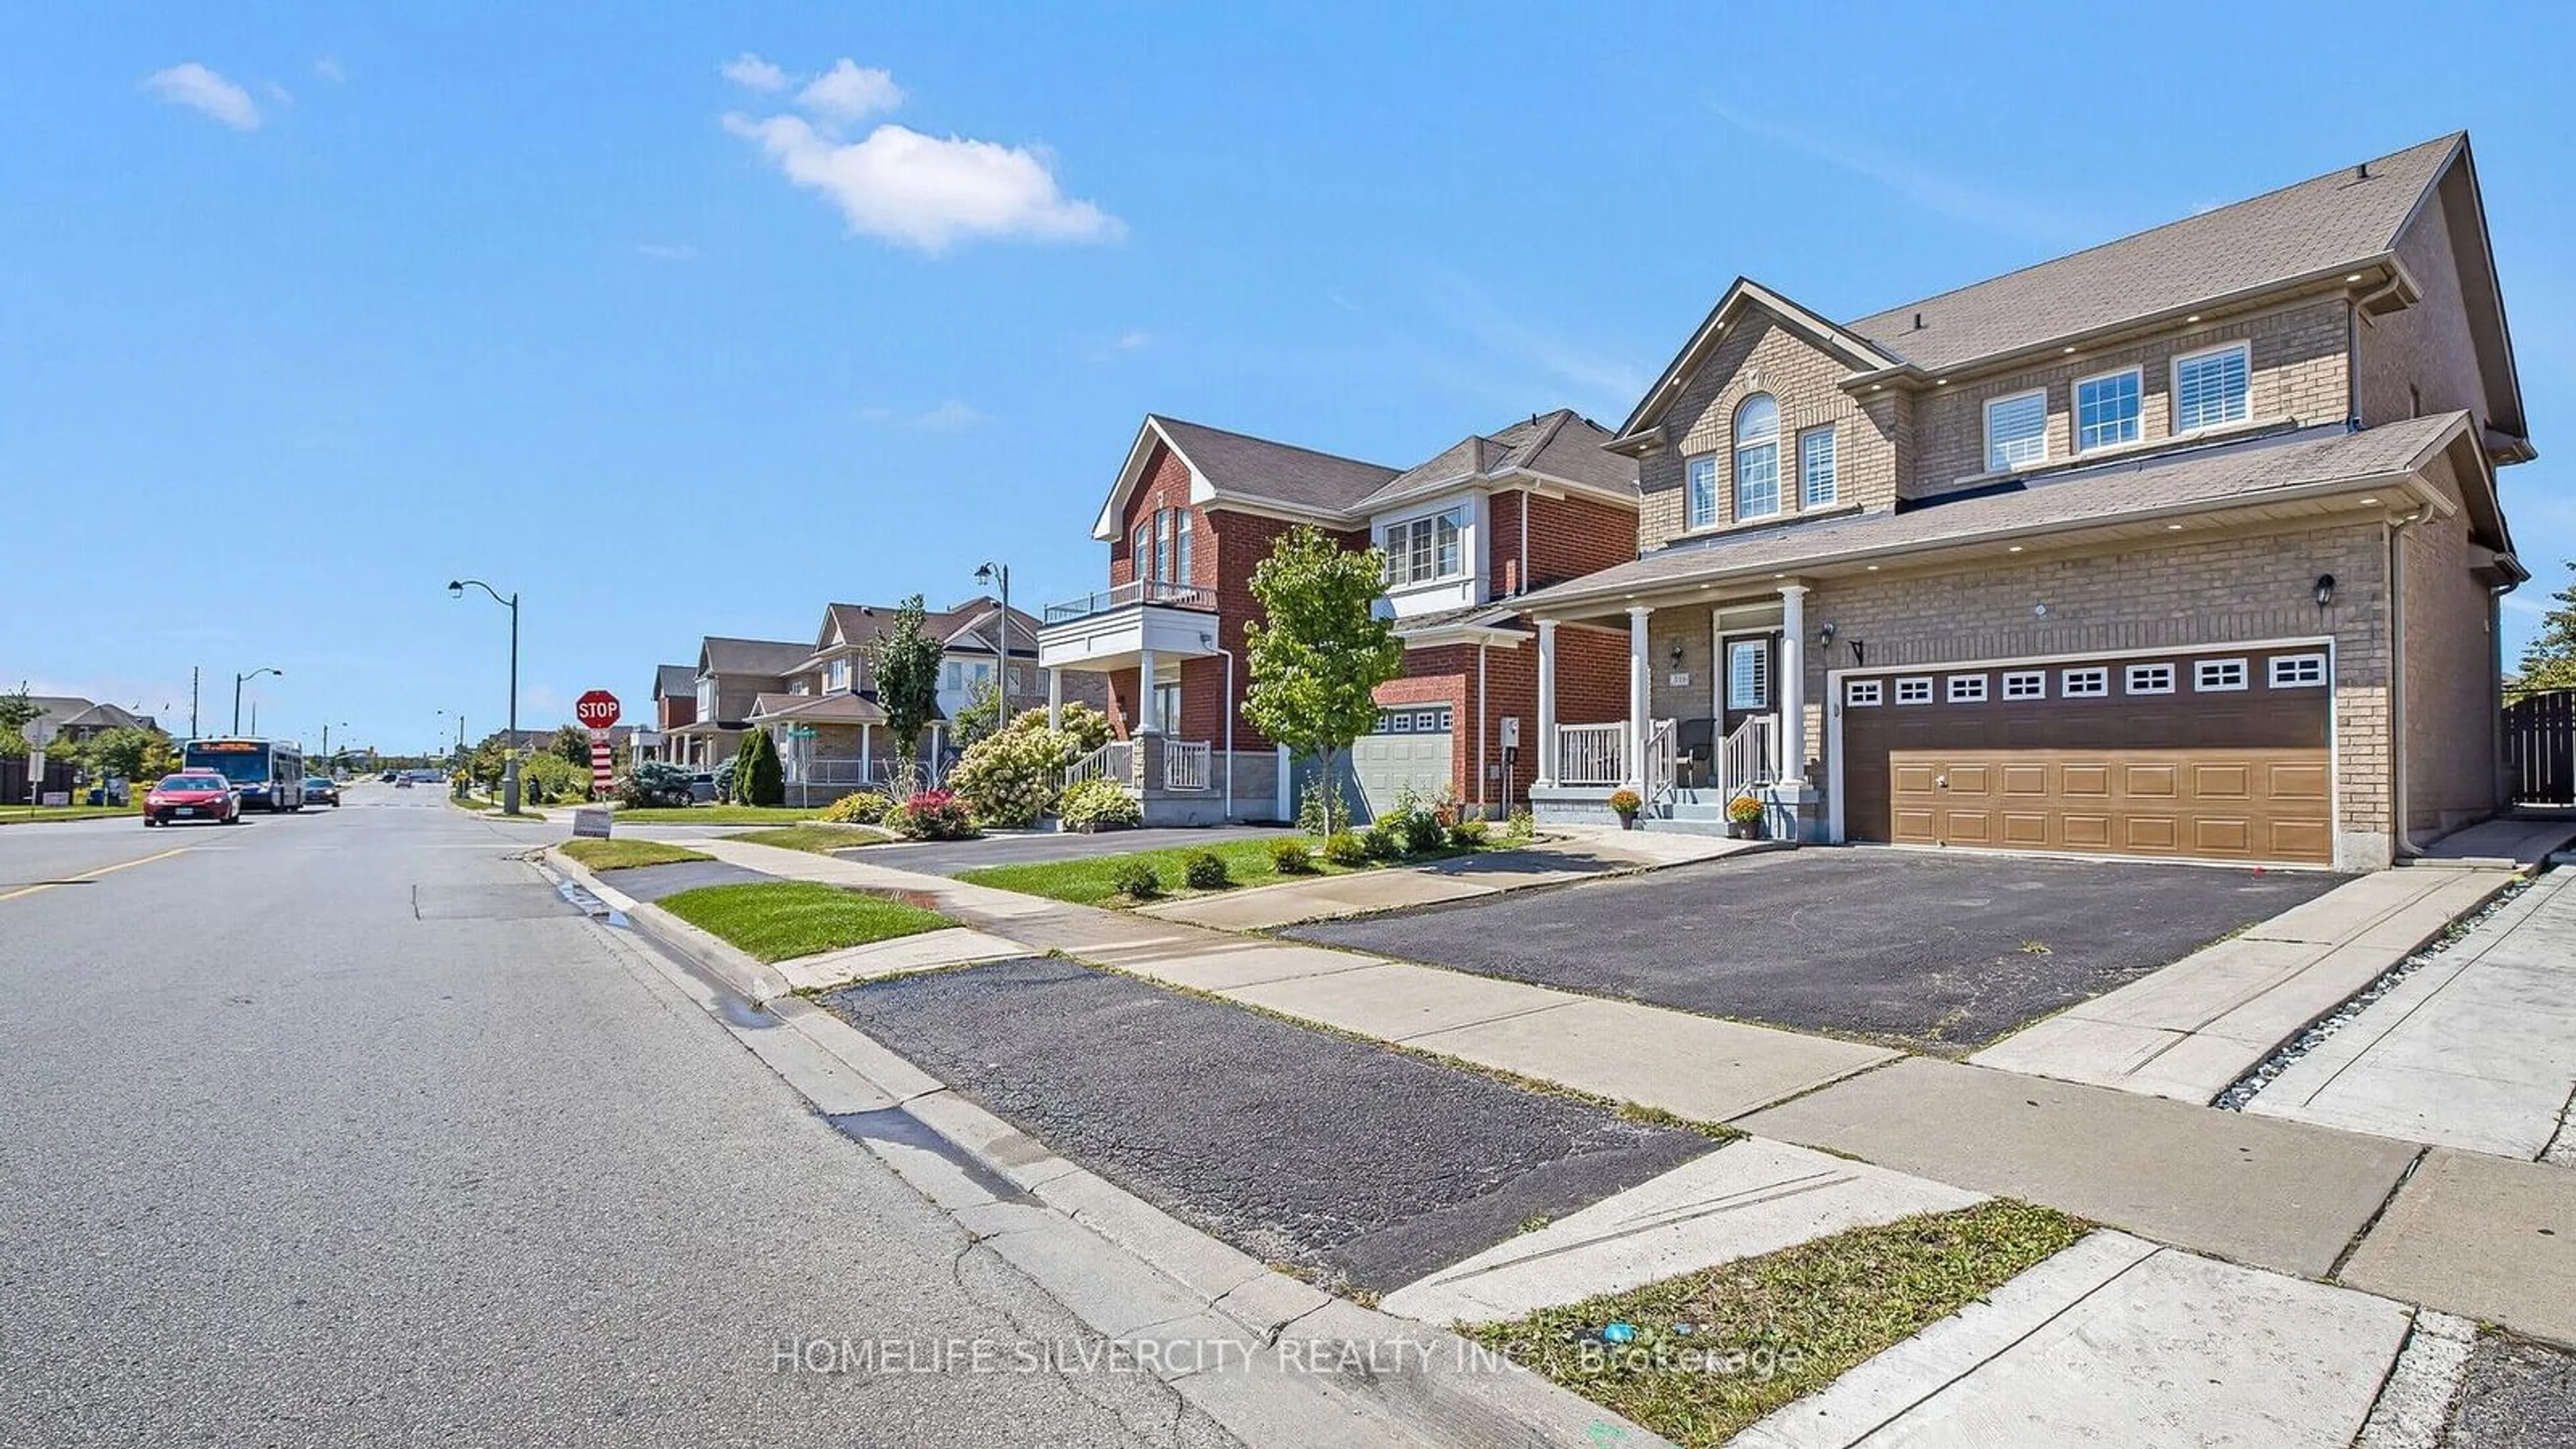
(2476, 1049)
(1465, 877)
(2192, 1029)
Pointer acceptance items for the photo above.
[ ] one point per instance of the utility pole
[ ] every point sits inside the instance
(192, 700)
(510, 751)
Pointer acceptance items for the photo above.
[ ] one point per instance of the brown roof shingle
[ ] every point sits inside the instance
(1261, 469)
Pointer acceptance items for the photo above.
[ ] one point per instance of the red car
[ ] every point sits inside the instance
(205, 796)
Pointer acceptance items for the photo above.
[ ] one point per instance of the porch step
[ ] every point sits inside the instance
(1701, 810)
(1685, 825)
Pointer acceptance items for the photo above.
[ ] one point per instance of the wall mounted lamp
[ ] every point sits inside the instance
(2325, 590)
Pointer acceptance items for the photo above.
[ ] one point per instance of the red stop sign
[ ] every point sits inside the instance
(597, 709)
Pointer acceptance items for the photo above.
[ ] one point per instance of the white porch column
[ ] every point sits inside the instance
(1640, 695)
(1546, 703)
(1055, 699)
(1793, 684)
(867, 737)
(1146, 722)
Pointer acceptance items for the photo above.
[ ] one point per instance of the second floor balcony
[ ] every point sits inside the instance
(1129, 625)
(1130, 595)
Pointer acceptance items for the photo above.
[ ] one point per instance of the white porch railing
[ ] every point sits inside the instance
(837, 772)
(1127, 595)
(1116, 759)
(1592, 754)
(1185, 764)
(1745, 760)
(1663, 760)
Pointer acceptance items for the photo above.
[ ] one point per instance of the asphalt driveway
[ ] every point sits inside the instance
(1363, 1164)
(948, 857)
(1936, 952)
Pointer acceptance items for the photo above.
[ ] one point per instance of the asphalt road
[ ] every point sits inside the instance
(1938, 953)
(341, 1129)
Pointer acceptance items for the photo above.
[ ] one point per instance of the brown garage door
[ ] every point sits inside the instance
(2221, 754)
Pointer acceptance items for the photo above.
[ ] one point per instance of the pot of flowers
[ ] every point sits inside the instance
(1744, 818)
(1625, 804)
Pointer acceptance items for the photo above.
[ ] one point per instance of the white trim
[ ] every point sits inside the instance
(2173, 385)
(1986, 417)
(1834, 446)
(1951, 688)
(2094, 675)
(2025, 677)
(1691, 521)
(2075, 409)
(2200, 675)
(2129, 677)
(1852, 697)
(1835, 680)
(1905, 686)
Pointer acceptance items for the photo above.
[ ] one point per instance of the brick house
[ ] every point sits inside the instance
(1195, 509)
(2186, 545)
(675, 703)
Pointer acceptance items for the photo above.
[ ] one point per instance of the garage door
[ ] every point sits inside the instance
(1410, 748)
(2220, 754)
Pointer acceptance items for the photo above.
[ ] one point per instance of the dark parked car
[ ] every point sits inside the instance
(206, 796)
(321, 790)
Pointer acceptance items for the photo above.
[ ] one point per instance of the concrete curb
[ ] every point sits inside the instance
(1323, 1371)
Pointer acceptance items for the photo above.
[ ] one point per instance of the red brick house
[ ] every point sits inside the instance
(1466, 533)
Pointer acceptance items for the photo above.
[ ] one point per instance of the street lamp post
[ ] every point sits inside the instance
(510, 750)
(238, 681)
(990, 573)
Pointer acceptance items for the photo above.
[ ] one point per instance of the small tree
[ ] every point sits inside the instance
(573, 743)
(906, 663)
(17, 711)
(1320, 652)
(757, 778)
(974, 723)
(131, 754)
(2549, 660)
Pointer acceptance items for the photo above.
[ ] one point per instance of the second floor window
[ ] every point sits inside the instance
(1181, 549)
(1701, 480)
(1816, 482)
(2212, 388)
(2016, 431)
(837, 675)
(1422, 550)
(1141, 556)
(1757, 457)
(1163, 546)
(2106, 411)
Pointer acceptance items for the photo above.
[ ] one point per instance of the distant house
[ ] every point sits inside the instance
(73, 719)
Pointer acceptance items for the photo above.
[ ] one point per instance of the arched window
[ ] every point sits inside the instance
(1757, 457)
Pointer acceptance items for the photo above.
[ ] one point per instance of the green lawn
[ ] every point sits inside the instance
(626, 854)
(717, 814)
(39, 814)
(776, 920)
(820, 839)
(1087, 882)
(1716, 1350)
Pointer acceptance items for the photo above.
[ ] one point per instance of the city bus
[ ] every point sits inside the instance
(268, 773)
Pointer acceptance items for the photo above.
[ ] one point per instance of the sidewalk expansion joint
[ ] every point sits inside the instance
(1410, 1038)
(2334, 1271)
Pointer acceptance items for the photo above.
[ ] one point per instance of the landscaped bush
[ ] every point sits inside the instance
(859, 807)
(1205, 871)
(546, 777)
(1468, 833)
(1322, 808)
(1011, 778)
(1422, 832)
(1135, 879)
(759, 776)
(1099, 804)
(1347, 847)
(932, 815)
(1291, 857)
(724, 778)
(1522, 825)
(653, 783)
(1384, 842)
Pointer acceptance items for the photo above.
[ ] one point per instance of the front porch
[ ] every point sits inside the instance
(1726, 718)
(1140, 636)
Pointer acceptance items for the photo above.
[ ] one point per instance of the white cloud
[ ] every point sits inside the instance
(1959, 198)
(849, 90)
(927, 191)
(279, 93)
(330, 69)
(668, 251)
(1130, 341)
(752, 73)
(205, 91)
(948, 417)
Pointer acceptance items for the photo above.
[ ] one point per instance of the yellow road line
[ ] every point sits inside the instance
(93, 874)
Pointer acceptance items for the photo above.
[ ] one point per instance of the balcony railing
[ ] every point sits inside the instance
(1142, 591)
(1592, 754)
(1185, 765)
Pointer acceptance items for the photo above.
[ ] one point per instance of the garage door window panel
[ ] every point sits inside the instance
(2150, 679)
(1967, 689)
(1917, 690)
(2026, 684)
(1864, 693)
(2298, 671)
(2218, 676)
(2085, 683)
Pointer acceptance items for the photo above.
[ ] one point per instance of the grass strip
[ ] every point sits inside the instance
(627, 854)
(717, 814)
(819, 839)
(1092, 881)
(778, 920)
(1716, 1350)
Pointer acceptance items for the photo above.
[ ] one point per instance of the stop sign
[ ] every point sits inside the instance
(597, 709)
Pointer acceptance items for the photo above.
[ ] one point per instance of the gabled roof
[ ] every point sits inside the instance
(103, 716)
(2271, 469)
(670, 680)
(2319, 228)
(839, 707)
(765, 658)
(1856, 351)
(1561, 447)
(967, 626)
(1234, 467)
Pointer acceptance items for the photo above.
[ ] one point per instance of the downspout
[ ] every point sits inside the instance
(2400, 830)
(1520, 583)
(1483, 724)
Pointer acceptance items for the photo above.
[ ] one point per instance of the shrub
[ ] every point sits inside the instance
(1423, 832)
(859, 807)
(1468, 833)
(934, 815)
(1522, 825)
(1205, 871)
(654, 783)
(757, 775)
(1625, 803)
(1290, 857)
(724, 777)
(1346, 847)
(1384, 842)
(1098, 804)
(1322, 807)
(1135, 879)
(545, 777)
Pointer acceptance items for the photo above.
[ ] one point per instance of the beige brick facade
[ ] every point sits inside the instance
(1760, 355)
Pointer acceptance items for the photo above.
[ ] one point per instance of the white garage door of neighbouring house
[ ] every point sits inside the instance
(1412, 747)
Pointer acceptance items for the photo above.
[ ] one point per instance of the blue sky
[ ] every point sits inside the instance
(682, 322)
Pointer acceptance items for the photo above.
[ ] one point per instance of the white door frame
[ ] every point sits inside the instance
(1718, 635)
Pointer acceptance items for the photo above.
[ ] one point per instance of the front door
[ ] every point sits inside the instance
(1747, 679)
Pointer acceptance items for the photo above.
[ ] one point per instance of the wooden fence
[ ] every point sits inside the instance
(2540, 747)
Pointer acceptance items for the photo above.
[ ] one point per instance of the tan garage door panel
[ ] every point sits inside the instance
(2174, 802)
